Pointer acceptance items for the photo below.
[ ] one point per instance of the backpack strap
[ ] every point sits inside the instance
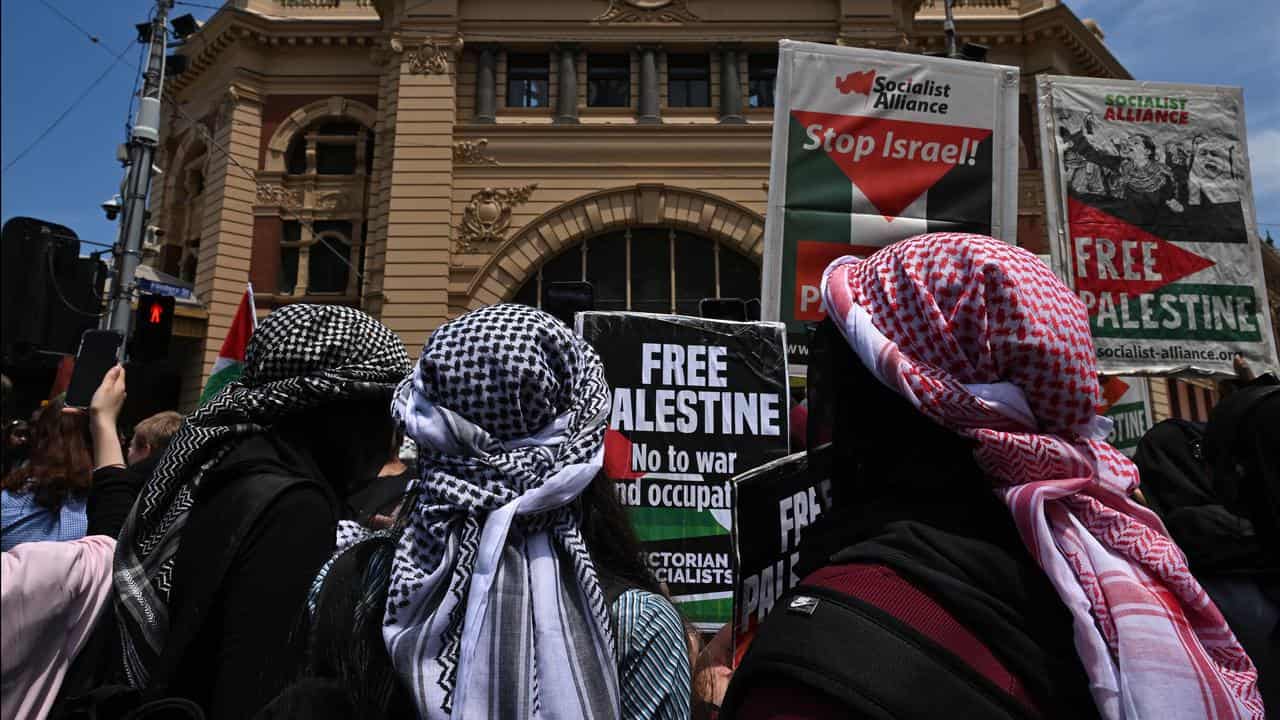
(251, 496)
(864, 658)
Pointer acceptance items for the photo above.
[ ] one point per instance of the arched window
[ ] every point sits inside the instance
(326, 171)
(330, 147)
(655, 270)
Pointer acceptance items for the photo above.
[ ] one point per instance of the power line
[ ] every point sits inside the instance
(57, 289)
(57, 121)
(92, 38)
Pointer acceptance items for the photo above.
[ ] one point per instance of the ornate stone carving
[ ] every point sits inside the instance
(278, 195)
(228, 105)
(647, 11)
(335, 200)
(432, 57)
(487, 217)
(472, 152)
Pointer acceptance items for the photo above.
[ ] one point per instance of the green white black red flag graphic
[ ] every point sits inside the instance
(871, 147)
(1151, 222)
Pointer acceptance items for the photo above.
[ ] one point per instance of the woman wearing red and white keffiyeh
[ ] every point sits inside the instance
(980, 337)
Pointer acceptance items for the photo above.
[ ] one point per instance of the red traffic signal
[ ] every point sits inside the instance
(152, 327)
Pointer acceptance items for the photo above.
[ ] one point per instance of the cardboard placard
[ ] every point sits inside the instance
(695, 402)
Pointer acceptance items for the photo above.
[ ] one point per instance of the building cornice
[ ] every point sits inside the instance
(517, 145)
(1056, 22)
(231, 26)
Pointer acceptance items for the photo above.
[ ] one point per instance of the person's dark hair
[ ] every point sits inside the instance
(1149, 144)
(347, 659)
(397, 440)
(60, 463)
(611, 539)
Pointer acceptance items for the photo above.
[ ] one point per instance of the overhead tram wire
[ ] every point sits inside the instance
(202, 5)
(63, 116)
(95, 40)
(92, 38)
(178, 108)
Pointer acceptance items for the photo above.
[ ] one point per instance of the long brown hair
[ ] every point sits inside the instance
(60, 463)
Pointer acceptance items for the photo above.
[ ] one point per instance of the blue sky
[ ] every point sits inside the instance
(45, 64)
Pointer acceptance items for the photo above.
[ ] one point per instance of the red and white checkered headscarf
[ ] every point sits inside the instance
(982, 338)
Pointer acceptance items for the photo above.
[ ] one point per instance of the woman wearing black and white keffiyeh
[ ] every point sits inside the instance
(213, 565)
(513, 587)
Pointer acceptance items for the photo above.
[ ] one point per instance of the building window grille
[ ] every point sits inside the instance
(327, 168)
(608, 80)
(762, 73)
(528, 80)
(649, 270)
(317, 260)
(689, 80)
(334, 148)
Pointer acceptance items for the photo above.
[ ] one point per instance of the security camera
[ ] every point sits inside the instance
(112, 208)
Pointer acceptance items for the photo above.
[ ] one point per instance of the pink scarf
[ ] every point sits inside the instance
(982, 338)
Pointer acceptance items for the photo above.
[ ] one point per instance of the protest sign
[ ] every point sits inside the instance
(772, 505)
(871, 147)
(695, 402)
(1151, 222)
(1126, 401)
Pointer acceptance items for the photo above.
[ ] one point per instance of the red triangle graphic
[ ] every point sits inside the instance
(1113, 388)
(617, 456)
(1111, 255)
(892, 171)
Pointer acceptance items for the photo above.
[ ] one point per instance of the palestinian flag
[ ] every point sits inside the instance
(230, 362)
(846, 200)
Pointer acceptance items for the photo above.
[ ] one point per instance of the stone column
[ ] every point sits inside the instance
(649, 105)
(486, 85)
(416, 255)
(567, 102)
(227, 223)
(730, 87)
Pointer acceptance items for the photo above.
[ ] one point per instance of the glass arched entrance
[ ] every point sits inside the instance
(656, 270)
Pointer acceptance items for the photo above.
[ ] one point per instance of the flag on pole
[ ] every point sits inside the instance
(230, 362)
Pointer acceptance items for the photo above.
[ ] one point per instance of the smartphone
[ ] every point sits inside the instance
(99, 352)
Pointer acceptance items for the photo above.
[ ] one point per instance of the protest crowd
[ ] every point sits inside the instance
(982, 550)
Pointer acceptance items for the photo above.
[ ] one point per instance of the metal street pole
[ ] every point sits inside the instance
(949, 27)
(142, 145)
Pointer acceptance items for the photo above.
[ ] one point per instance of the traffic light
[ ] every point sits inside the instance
(152, 327)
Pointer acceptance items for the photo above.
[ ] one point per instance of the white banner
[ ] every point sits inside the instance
(1151, 222)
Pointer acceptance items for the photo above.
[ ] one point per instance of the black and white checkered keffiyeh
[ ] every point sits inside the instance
(300, 357)
(494, 608)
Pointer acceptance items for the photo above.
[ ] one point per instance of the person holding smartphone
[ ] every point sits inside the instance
(46, 497)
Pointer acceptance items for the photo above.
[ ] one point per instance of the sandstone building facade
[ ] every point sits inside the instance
(418, 158)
